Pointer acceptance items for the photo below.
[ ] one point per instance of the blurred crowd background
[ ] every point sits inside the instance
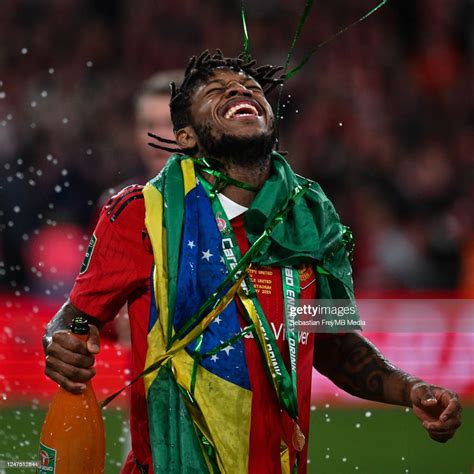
(382, 118)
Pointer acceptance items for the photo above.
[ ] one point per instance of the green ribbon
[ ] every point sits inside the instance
(307, 8)
(288, 75)
(291, 293)
(333, 37)
(198, 357)
(246, 35)
(222, 180)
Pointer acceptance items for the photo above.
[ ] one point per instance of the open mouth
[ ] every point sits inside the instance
(242, 109)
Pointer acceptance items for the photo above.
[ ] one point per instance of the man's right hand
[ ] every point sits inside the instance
(69, 361)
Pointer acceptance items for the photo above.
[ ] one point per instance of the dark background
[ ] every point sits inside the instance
(382, 117)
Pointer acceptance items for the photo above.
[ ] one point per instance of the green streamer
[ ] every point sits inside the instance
(196, 363)
(229, 342)
(221, 178)
(246, 35)
(307, 8)
(198, 357)
(325, 42)
(287, 75)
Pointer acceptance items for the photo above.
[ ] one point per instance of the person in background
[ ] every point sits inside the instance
(152, 114)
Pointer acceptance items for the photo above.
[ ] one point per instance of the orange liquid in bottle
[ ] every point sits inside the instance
(72, 440)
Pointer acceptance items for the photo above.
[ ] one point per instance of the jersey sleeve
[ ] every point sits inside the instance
(117, 261)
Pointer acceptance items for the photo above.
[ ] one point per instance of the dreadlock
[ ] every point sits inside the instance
(199, 69)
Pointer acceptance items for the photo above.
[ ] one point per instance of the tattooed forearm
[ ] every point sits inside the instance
(63, 319)
(356, 365)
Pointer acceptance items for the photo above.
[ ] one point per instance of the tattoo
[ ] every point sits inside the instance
(364, 370)
(357, 366)
(63, 320)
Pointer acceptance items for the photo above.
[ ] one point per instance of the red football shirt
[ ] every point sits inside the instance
(119, 271)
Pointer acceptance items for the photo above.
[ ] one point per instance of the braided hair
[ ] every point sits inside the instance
(199, 69)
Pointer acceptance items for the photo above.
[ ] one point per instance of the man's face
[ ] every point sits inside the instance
(153, 115)
(231, 104)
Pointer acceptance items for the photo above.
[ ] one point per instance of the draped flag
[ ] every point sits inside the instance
(199, 404)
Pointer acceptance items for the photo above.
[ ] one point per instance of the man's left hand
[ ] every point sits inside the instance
(438, 409)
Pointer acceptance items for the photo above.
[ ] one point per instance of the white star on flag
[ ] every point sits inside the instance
(191, 244)
(218, 320)
(214, 358)
(227, 349)
(207, 255)
(221, 260)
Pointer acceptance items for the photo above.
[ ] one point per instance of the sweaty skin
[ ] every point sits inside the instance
(349, 360)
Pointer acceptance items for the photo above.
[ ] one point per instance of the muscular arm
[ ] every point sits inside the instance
(355, 364)
(358, 367)
(69, 361)
(118, 264)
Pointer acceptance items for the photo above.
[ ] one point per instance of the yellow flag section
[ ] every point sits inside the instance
(220, 410)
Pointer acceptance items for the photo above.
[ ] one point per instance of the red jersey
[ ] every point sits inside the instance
(118, 270)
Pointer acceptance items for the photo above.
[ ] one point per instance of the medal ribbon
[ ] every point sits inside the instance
(291, 295)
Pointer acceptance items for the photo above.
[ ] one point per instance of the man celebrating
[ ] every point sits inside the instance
(210, 256)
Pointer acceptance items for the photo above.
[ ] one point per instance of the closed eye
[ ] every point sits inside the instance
(214, 89)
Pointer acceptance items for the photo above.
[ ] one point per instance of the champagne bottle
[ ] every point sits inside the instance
(72, 440)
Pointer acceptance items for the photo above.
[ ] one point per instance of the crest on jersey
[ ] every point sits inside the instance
(221, 223)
